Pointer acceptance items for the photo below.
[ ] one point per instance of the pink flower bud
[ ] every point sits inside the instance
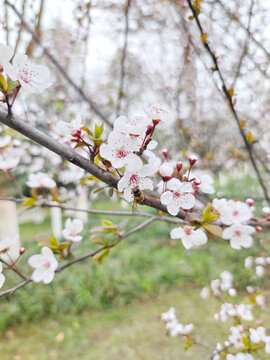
(268, 218)
(249, 202)
(22, 250)
(197, 181)
(149, 130)
(258, 228)
(179, 166)
(192, 160)
(166, 171)
(165, 153)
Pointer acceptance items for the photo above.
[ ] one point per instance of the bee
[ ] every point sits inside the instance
(138, 197)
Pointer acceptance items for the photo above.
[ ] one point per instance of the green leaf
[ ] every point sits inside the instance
(101, 255)
(98, 239)
(12, 85)
(107, 222)
(53, 243)
(88, 131)
(98, 130)
(29, 201)
(207, 214)
(3, 82)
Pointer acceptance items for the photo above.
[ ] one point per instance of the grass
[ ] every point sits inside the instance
(132, 334)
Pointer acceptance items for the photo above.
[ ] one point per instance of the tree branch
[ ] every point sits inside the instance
(81, 258)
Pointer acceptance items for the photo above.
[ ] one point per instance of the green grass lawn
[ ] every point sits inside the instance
(131, 333)
(110, 311)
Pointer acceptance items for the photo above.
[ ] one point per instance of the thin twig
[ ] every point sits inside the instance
(123, 59)
(230, 102)
(81, 258)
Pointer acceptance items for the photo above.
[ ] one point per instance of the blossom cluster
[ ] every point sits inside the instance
(218, 286)
(173, 326)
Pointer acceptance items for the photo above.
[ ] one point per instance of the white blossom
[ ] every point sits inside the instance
(232, 212)
(257, 335)
(205, 293)
(259, 270)
(189, 236)
(135, 126)
(72, 230)
(248, 262)
(40, 180)
(119, 151)
(180, 197)
(240, 356)
(30, 76)
(236, 336)
(6, 53)
(44, 264)
(158, 113)
(4, 140)
(136, 180)
(7, 242)
(2, 276)
(226, 280)
(169, 315)
(239, 236)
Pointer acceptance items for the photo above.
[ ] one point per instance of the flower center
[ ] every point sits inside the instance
(235, 213)
(47, 265)
(121, 153)
(134, 179)
(237, 233)
(176, 194)
(188, 230)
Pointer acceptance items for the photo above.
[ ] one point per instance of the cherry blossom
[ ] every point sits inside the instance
(240, 356)
(44, 264)
(175, 328)
(30, 76)
(119, 151)
(226, 280)
(10, 158)
(6, 53)
(136, 179)
(180, 197)
(236, 336)
(2, 276)
(259, 270)
(64, 131)
(169, 315)
(4, 140)
(135, 126)
(158, 113)
(40, 180)
(206, 185)
(166, 171)
(189, 236)
(239, 236)
(257, 335)
(7, 242)
(72, 230)
(180, 329)
(232, 212)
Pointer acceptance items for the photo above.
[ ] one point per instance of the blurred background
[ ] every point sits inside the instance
(124, 55)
